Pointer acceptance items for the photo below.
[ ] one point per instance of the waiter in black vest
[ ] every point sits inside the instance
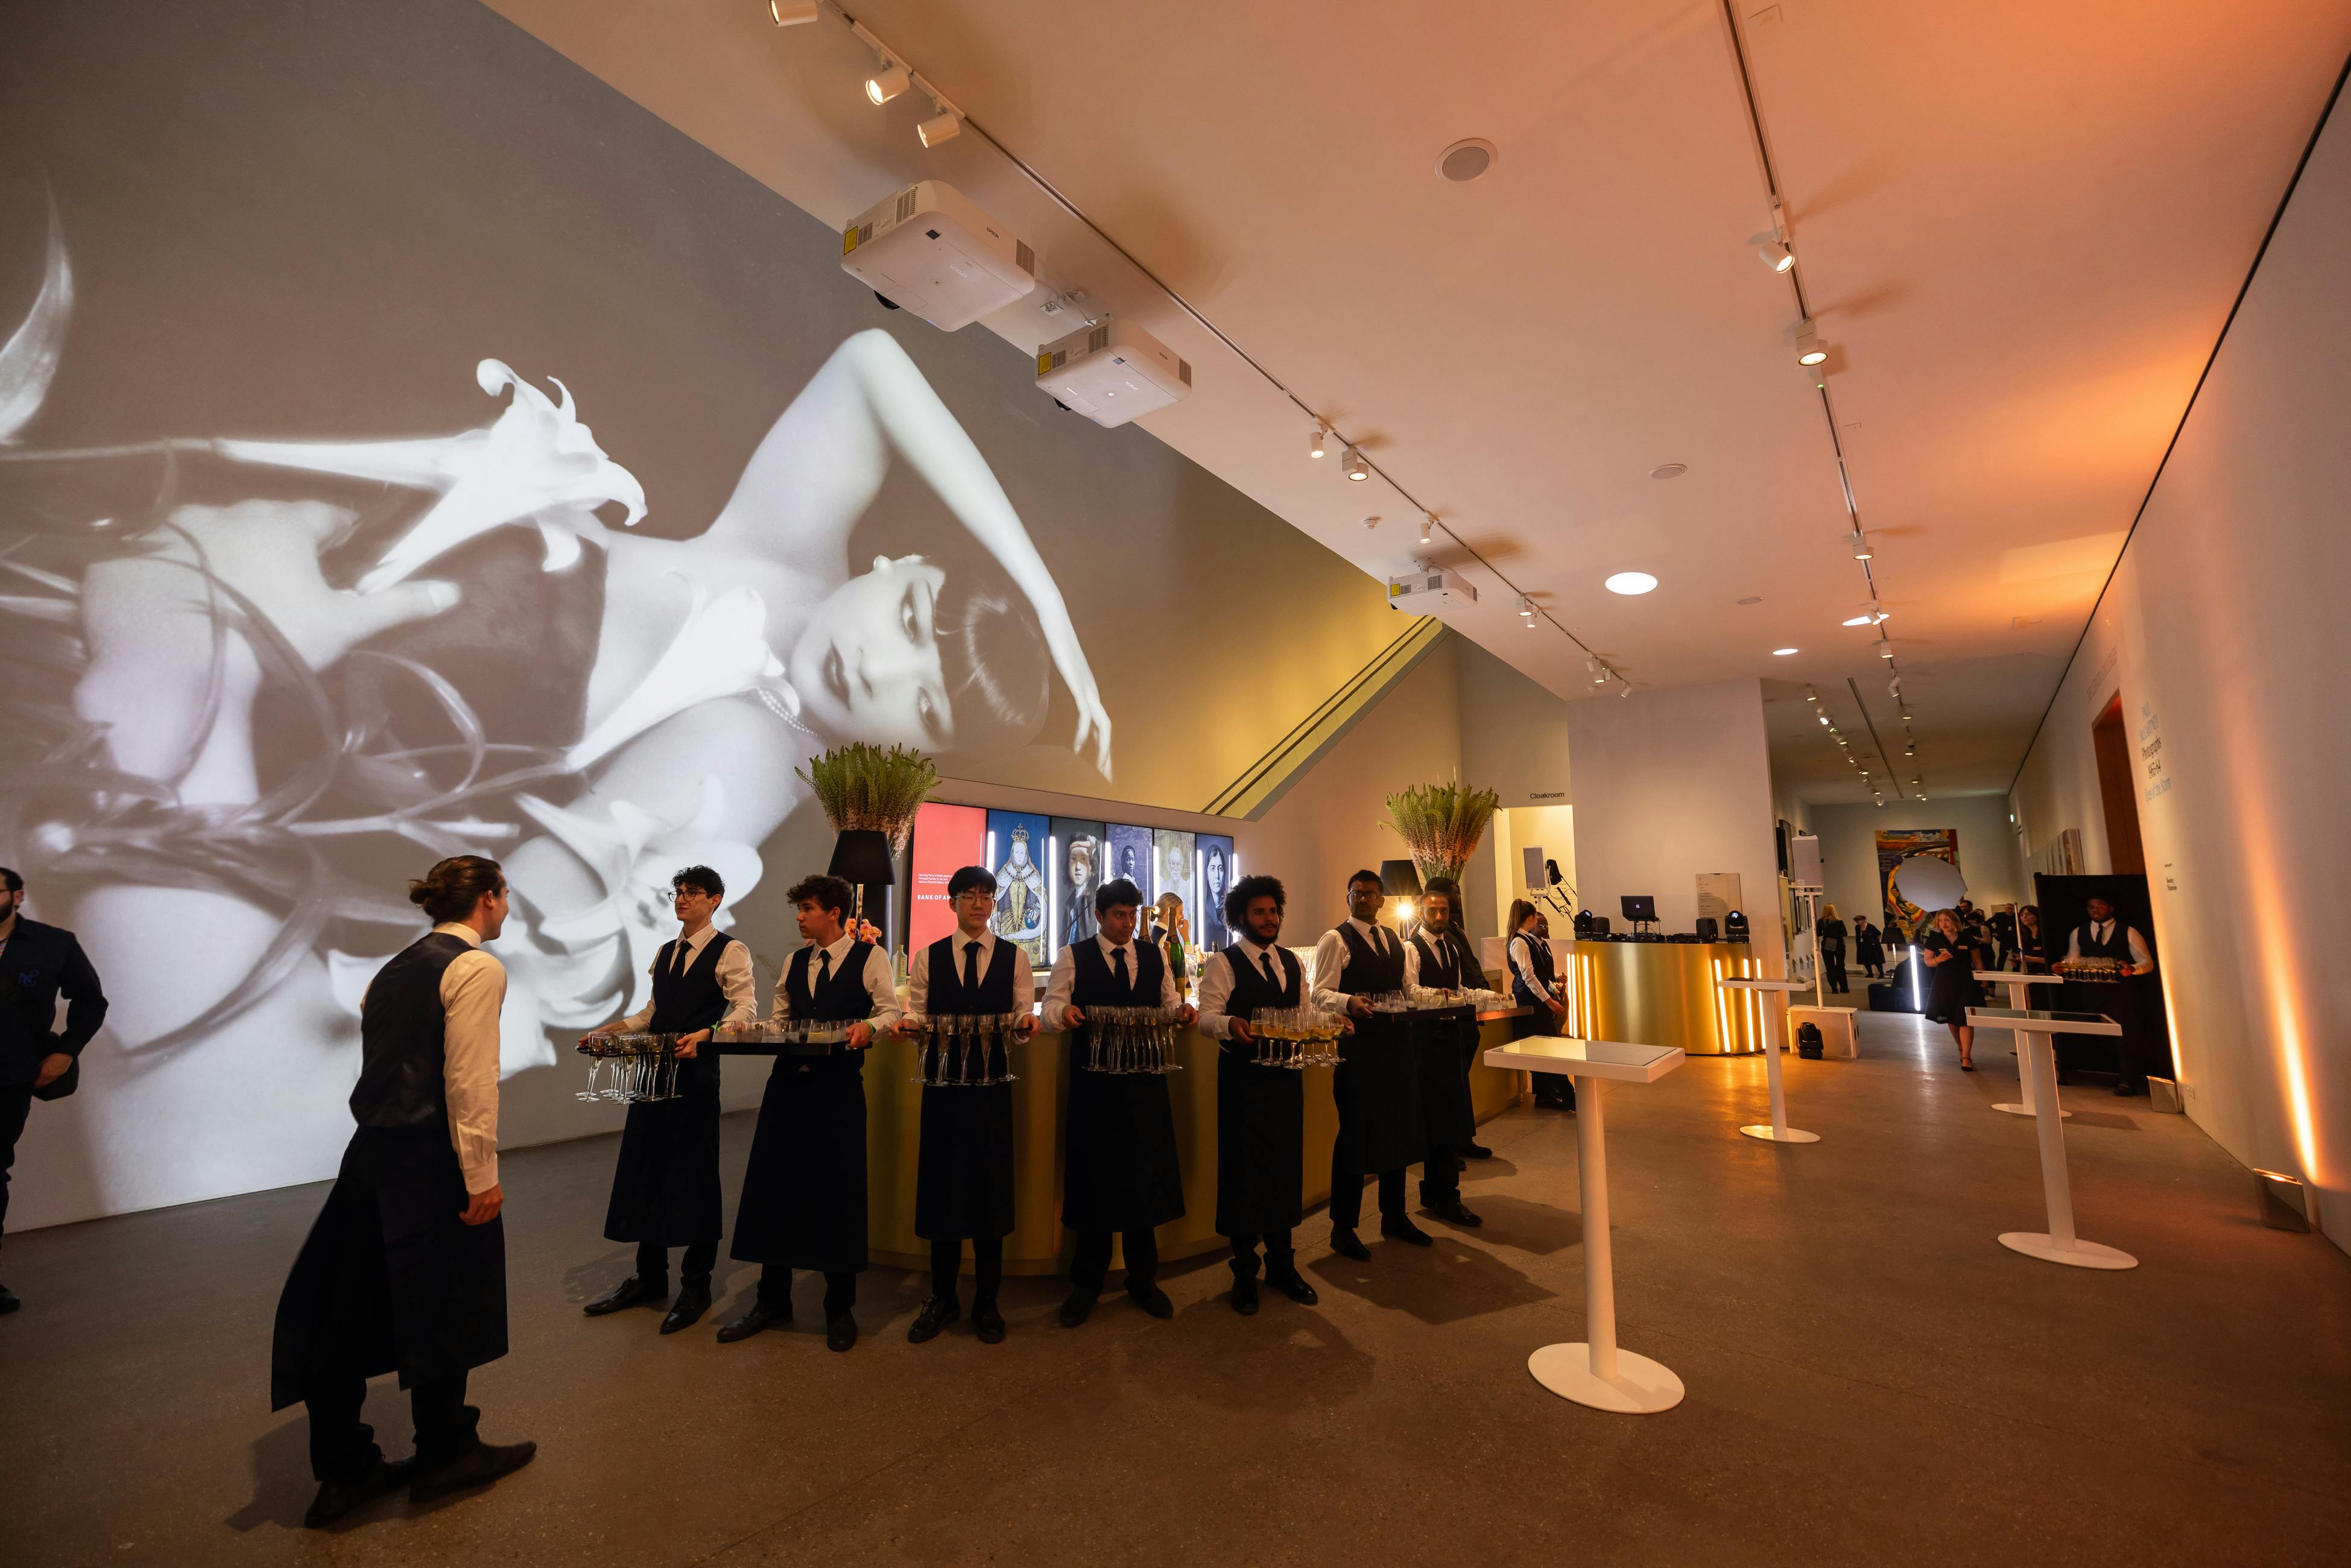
(37, 964)
(405, 1270)
(963, 1166)
(1447, 1040)
(1260, 1111)
(803, 1204)
(666, 1183)
(2104, 936)
(1377, 1081)
(1119, 1168)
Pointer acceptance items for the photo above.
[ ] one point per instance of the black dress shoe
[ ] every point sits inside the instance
(760, 1316)
(1079, 1307)
(1455, 1213)
(477, 1467)
(1477, 1152)
(839, 1332)
(632, 1291)
(1347, 1244)
(687, 1310)
(1404, 1230)
(1245, 1297)
(936, 1313)
(1293, 1284)
(987, 1322)
(337, 1498)
(9, 1301)
(1151, 1299)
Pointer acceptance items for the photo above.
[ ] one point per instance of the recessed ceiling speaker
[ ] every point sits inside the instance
(1465, 159)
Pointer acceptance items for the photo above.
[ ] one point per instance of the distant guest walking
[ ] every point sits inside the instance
(1831, 935)
(37, 964)
(405, 1269)
(1869, 948)
(2031, 946)
(1951, 988)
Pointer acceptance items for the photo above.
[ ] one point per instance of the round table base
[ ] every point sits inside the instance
(2027, 1111)
(2081, 1255)
(1790, 1136)
(1641, 1388)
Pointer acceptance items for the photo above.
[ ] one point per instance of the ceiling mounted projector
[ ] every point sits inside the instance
(1423, 591)
(929, 250)
(1111, 373)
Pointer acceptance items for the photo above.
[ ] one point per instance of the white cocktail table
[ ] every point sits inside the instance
(1779, 1132)
(2035, 1036)
(2020, 997)
(1596, 1373)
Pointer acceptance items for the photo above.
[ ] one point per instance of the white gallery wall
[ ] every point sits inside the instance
(1987, 854)
(1670, 784)
(2224, 633)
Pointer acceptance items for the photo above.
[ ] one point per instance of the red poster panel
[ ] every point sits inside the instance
(946, 837)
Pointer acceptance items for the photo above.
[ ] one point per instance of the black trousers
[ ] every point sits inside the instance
(653, 1262)
(1091, 1264)
(987, 1266)
(776, 1290)
(1833, 968)
(342, 1446)
(14, 1104)
(1440, 1178)
(1347, 1194)
(1278, 1261)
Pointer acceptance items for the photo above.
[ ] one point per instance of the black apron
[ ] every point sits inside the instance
(1120, 1169)
(962, 1170)
(1377, 1081)
(803, 1204)
(665, 1182)
(2124, 1000)
(1260, 1112)
(1541, 1020)
(1448, 1042)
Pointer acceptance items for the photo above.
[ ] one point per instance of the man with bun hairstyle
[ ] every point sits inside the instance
(405, 1269)
(962, 1168)
(1120, 1171)
(665, 1189)
(1260, 1111)
(1377, 1081)
(803, 1204)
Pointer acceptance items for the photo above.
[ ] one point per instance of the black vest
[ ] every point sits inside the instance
(1538, 959)
(2115, 946)
(1442, 966)
(1252, 990)
(683, 1003)
(1095, 985)
(401, 1029)
(1366, 969)
(948, 994)
(843, 999)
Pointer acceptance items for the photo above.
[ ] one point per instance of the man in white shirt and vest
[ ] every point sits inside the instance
(405, 1269)
(2104, 935)
(1377, 1081)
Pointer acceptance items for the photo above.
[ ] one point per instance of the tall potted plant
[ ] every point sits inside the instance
(1441, 824)
(866, 790)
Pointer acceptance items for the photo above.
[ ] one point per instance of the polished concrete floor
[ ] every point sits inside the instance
(1870, 1378)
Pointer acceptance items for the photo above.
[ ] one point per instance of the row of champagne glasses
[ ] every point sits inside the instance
(644, 1067)
(783, 1031)
(1132, 1039)
(964, 1050)
(1295, 1037)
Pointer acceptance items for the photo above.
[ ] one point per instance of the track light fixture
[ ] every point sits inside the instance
(1885, 649)
(1427, 527)
(889, 79)
(1626, 690)
(1315, 448)
(944, 126)
(791, 16)
(1354, 468)
(1859, 542)
(1810, 349)
(1775, 254)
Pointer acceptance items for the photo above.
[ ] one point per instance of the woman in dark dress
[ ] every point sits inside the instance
(2032, 947)
(1831, 935)
(1869, 948)
(1951, 988)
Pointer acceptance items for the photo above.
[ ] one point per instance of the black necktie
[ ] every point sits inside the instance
(970, 967)
(1118, 967)
(1267, 960)
(823, 967)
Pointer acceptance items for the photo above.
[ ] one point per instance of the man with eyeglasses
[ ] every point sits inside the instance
(1377, 1081)
(665, 1189)
(963, 1166)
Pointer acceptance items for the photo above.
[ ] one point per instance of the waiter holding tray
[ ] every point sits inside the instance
(803, 1204)
(1447, 1040)
(1377, 1081)
(962, 1170)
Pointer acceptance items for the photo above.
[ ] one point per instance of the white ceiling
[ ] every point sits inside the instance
(2020, 226)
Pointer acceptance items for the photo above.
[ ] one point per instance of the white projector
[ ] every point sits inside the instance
(1112, 371)
(1423, 591)
(928, 249)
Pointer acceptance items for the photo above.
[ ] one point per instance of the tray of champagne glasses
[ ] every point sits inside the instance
(964, 1051)
(1131, 1040)
(781, 1036)
(642, 1067)
(1294, 1038)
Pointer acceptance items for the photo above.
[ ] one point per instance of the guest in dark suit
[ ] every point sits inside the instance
(1447, 1040)
(37, 964)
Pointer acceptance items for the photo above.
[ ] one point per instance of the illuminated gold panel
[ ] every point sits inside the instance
(1666, 993)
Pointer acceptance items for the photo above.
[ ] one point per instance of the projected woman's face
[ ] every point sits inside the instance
(866, 663)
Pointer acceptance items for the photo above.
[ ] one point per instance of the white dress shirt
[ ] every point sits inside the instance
(1331, 961)
(734, 976)
(918, 973)
(473, 989)
(1522, 964)
(1216, 984)
(2103, 931)
(879, 985)
(1065, 979)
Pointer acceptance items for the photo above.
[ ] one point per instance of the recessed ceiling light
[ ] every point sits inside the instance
(1466, 158)
(1630, 582)
(1781, 653)
(1670, 471)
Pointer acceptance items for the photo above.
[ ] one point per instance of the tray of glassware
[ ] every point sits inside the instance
(783, 1037)
(641, 1067)
(1131, 1040)
(1295, 1037)
(959, 1051)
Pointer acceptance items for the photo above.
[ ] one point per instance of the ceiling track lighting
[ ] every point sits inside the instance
(1885, 649)
(1354, 468)
(1859, 542)
(1427, 527)
(791, 16)
(1810, 349)
(888, 79)
(1315, 448)
(944, 126)
(1773, 250)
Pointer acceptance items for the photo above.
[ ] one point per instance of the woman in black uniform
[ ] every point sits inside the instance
(1535, 985)
(1832, 934)
(1951, 988)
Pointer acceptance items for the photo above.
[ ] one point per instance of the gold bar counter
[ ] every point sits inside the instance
(1660, 993)
(893, 1108)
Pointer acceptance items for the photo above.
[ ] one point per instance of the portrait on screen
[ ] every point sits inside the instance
(1017, 860)
(1081, 870)
(1130, 856)
(1216, 880)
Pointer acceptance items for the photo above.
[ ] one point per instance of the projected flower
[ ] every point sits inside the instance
(721, 651)
(536, 464)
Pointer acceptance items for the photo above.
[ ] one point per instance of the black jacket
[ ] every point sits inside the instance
(36, 962)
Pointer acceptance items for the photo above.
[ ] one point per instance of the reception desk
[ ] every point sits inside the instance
(1659, 993)
(893, 1108)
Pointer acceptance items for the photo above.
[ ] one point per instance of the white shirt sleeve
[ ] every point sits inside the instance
(473, 989)
(2139, 952)
(2074, 945)
(1329, 963)
(1024, 981)
(1522, 964)
(918, 983)
(783, 1009)
(1411, 962)
(883, 986)
(736, 981)
(1216, 990)
(1058, 987)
